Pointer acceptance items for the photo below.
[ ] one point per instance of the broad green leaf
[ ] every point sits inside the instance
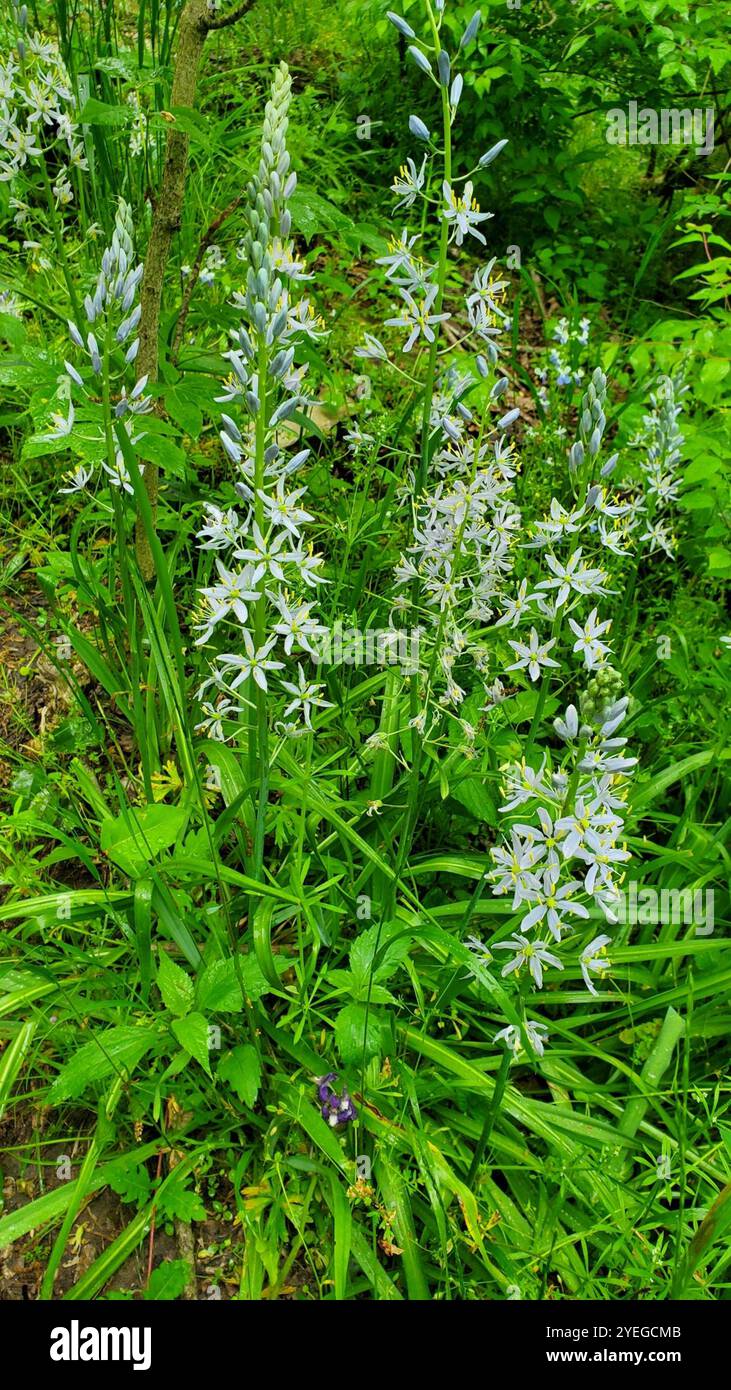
(358, 1033)
(135, 839)
(176, 987)
(241, 1068)
(192, 1034)
(114, 1051)
(218, 988)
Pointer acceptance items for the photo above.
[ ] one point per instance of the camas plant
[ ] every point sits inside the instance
(466, 576)
(268, 784)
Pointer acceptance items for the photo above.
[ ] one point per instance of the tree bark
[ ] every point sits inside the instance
(195, 24)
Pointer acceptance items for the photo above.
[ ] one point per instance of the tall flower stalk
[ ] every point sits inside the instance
(264, 598)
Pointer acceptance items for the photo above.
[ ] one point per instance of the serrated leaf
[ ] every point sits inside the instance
(116, 1050)
(168, 1281)
(357, 1032)
(192, 1034)
(175, 1202)
(131, 1184)
(218, 988)
(175, 986)
(241, 1068)
(373, 946)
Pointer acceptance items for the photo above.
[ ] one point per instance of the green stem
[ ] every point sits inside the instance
(260, 725)
(491, 1116)
(61, 249)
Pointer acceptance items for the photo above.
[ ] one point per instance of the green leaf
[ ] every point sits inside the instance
(157, 448)
(387, 960)
(96, 112)
(134, 839)
(12, 1060)
(175, 986)
(131, 1184)
(218, 988)
(474, 796)
(356, 1030)
(115, 1050)
(168, 1281)
(241, 1068)
(175, 1202)
(192, 1034)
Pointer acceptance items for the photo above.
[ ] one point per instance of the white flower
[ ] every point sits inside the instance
(408, 183)
(515, 607)
(232, 594)
(594, 958)
(537, 1036)
(265, 554)
(523, 784)
(535, 953)
(572, 576)
(511, 1037)
(77, 478)
(417, 318)
(372, 348)
(253, 663)
(553, 902)
(568, 727)
(463, 212)
(588, 643)
(600, 852)
(296, 625)
(212, 722)
(542, 843)
(306, 697)
(62, 425)
(533, 655)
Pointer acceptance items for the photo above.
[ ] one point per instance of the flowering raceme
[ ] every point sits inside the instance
(263, 598)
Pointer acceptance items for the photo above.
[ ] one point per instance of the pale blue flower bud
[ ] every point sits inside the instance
(509, 419)
(492, 153)
(576, 456)
(73, 374)
(401, 25)
(595, 442)
(232, 449)
(471, 29)
(609, 467)
(444, 68)
(482, 366)
(96, 361)
(417, 128)
(420, 60)
(456, 91)
(498, 389)
(75, 335)
(231, 427)
(284, 411)
(132, 351)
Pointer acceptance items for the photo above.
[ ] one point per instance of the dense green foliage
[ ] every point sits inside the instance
(236, 861)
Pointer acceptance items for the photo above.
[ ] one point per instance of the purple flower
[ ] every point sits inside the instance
(335, 1109)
